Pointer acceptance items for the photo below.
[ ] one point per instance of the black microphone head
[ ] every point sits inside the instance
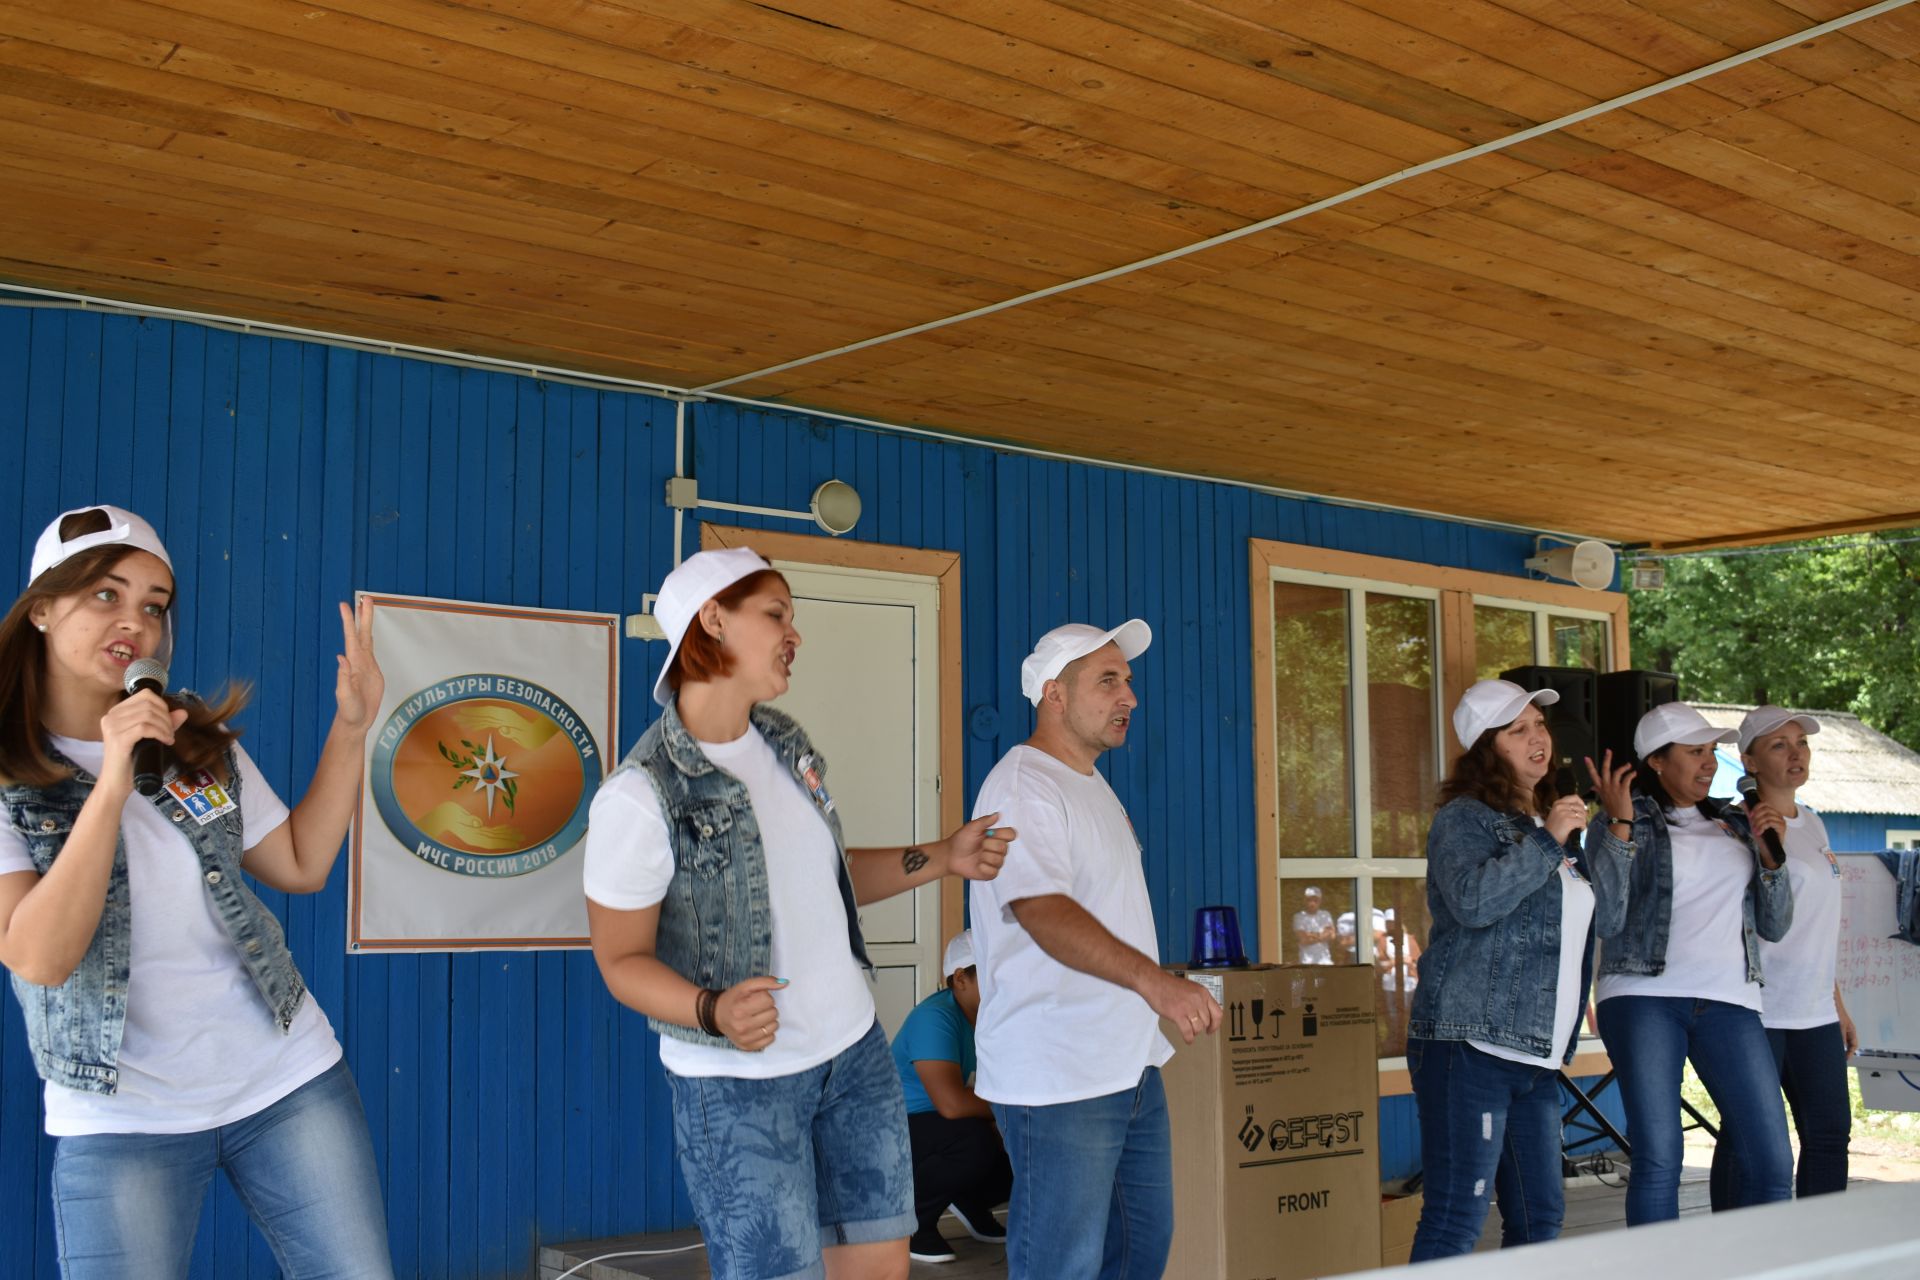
(1749, 789)
(144, 671)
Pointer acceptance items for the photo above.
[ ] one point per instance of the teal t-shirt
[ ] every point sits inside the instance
(936, 1031)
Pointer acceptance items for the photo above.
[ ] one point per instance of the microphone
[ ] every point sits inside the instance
(1749, 787)
(1564, 782)
(149, 755)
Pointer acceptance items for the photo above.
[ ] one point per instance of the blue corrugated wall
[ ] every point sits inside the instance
(511, 1101)
(1865, 832)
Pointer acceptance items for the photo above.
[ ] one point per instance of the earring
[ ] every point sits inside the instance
(42, 626)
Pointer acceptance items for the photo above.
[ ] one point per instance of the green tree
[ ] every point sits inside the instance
(1822, 625)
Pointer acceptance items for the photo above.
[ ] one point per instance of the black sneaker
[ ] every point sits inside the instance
(928, 1245)
(980, 1223)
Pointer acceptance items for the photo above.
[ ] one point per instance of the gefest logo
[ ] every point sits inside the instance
(1301, 1133)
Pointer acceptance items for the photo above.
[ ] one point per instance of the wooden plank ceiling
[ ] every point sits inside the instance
(1689, 319)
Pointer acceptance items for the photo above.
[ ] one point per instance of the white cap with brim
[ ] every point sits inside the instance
(1490, 704)
(959, 954)
(699, 579)
(1761, 721)
(1062, 645)
(1671, 723)
(123, 529)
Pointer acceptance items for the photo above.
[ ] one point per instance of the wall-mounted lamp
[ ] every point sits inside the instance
(835, 506)
(1586, 564)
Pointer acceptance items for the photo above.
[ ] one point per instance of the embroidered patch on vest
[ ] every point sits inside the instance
(201, 795)
(810, 776)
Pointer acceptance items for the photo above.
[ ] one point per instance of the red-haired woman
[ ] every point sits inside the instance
(162, 1008)
(715, 861)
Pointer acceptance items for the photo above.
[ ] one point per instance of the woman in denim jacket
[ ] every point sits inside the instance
(162, 1007)
(1681, 981)
(1504, 977)
(715, 861)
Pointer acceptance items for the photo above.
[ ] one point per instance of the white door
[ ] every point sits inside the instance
(866, 687)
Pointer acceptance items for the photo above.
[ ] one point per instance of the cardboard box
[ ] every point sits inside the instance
(1399, 1215)
(1275, 1121)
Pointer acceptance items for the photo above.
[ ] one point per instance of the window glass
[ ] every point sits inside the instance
(1310, 908)
(1311, 698)
(1399, 927)
(1502, 640)
(1578, 642)
(1401, 721)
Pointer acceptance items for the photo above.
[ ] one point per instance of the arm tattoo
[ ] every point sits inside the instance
(912, 860)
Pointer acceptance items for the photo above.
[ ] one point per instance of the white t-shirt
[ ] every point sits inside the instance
(826, 1004)
(1576, 913)
(1800, 967)
(1313, 922)
(201, 1048)
(1046, 1033)
(1706, 940)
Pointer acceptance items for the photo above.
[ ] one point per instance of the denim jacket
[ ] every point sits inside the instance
(1493, 957)
(1641, 946)
(716, 922)
(74, 1029)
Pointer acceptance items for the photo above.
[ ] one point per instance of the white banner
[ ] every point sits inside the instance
(491, 741)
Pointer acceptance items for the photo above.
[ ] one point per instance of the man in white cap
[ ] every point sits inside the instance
(1071, 988)
(1313, 928)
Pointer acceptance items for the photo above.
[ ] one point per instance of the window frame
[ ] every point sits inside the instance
(1456, 592)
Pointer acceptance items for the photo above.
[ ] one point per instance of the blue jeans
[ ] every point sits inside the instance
(1484, 1122)
(1813, 1071)
(126, 1204)
(1649, 1038)
(1092, 1186)
(779, 1169)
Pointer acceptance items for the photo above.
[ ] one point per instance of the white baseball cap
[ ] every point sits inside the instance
(1672, 722)
(123, 528)
(959, 954)
(1761, 721)
(1492, 703)
(1076, 640)
(699, 578)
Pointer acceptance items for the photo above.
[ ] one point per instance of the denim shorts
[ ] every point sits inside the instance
(779, 1169)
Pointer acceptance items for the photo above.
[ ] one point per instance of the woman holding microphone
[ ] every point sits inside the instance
(1806, 1020)
(1681, 980)
(722, 903)
(162, 1008)
(1503, 980)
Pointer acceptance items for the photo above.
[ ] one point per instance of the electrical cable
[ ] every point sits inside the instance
(630, 1253)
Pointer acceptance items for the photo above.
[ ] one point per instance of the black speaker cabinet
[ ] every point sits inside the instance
(1625, 696)
(1570, 720)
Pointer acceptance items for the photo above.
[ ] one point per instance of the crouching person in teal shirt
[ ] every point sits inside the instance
(958, 1158)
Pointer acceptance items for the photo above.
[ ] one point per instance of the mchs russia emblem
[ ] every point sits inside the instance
(485, 775)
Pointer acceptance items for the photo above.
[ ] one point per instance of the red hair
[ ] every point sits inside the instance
(700, 657)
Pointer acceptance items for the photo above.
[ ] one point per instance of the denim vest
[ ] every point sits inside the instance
(1641, 946)
(1492, 961)
(716, 922)
(74, 1029)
